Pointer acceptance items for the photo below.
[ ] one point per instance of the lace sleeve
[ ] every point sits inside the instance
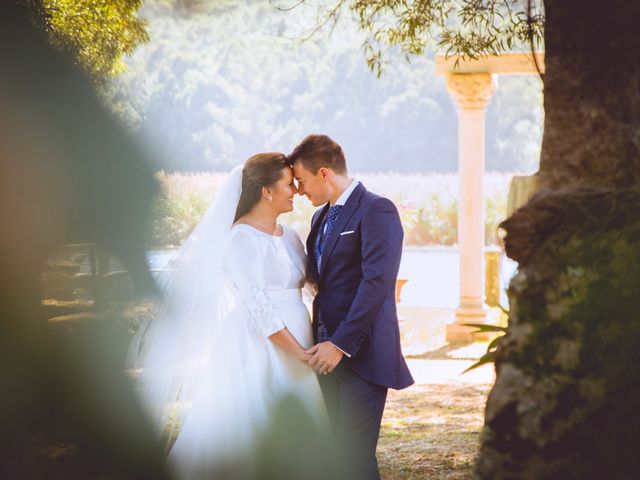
(246, 267)
(309, 292)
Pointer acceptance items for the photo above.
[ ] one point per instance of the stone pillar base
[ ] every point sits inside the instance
(458, 333)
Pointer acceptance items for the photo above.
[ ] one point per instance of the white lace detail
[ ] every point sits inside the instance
(247, 269)
(261, 310)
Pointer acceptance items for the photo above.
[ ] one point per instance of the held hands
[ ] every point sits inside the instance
(325, 357)
(303, 356)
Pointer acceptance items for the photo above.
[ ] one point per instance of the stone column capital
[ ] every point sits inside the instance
(472, 91)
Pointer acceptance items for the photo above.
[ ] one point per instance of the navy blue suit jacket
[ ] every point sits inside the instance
(356, 286)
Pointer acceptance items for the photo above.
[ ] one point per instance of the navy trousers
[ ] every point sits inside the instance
(355, 410)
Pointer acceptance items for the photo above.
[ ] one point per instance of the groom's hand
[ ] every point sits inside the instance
(325, 357)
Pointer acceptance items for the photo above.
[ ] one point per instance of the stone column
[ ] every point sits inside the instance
(471, 92)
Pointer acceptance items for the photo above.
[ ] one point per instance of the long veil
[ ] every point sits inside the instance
(212, 392)
(170, 353)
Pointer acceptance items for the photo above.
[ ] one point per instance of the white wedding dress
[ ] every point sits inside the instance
(265, 275)
(207, 371)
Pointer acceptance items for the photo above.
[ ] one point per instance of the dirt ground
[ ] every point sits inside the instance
(432, 429)
(431, 432)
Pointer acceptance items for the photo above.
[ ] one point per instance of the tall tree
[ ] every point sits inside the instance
(566, 399)
(564, 404)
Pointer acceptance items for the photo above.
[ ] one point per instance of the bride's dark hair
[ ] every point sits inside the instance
(261, 170)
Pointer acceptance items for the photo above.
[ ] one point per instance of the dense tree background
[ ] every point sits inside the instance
(220, 81)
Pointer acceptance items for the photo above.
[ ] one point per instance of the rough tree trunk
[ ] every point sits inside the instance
(567, 398)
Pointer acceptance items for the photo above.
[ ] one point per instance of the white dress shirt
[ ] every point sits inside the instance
(342, 199)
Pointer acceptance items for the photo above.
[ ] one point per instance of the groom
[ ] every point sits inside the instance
(354, 250)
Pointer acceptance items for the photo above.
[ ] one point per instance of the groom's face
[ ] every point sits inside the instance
(312, 186)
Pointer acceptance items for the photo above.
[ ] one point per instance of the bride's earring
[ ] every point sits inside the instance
(270, 198)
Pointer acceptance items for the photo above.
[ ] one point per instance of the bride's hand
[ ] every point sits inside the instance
(283, 339)
(303, 357)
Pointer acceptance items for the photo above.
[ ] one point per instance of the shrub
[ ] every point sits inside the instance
(427, 203)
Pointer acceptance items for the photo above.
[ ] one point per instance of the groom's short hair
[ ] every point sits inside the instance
(318, 151)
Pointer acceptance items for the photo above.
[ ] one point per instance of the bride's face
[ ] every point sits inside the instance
(283, 191)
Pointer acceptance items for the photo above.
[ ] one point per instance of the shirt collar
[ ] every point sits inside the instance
(347, 193)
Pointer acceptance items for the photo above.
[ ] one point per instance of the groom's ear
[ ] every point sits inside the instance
(324, 172)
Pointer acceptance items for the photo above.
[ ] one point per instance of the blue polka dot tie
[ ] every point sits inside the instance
(324, 233)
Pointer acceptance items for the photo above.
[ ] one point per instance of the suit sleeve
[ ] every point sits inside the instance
(381, 233)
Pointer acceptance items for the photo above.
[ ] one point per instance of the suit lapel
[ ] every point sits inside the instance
(353, 202)
(311, 240)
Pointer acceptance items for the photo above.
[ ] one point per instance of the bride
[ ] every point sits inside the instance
(229, 338)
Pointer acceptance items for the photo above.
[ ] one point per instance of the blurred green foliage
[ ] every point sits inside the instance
(68, 174)
(97, 33)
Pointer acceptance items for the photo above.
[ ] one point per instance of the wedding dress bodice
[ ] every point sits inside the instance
(260, 267)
